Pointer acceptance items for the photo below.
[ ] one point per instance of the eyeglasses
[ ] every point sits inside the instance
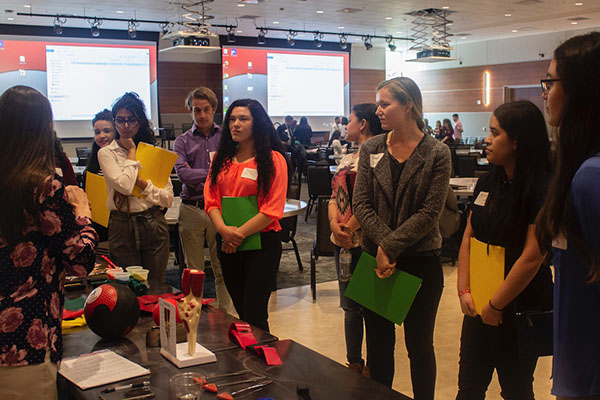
(130, 121)
(547, 84)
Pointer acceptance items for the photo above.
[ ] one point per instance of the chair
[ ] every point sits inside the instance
(186, 127)
(289, 224)
(83, 153)
(167, 133)
(466, 166)
(322, 245)
(319, 184)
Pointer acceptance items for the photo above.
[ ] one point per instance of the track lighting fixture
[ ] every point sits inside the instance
(367, 42)
(261, 35)
(230, 34)
(391, 44)
(290, 37)
(343, 41)
(318, 39)
(131, 28)
(95, 26)
(58, 25)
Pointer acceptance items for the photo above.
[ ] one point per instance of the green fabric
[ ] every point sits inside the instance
(75, 304)
(391, 297)
(236, 211)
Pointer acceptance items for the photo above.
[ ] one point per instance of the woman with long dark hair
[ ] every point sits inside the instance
(570, 217)
(400, 192)
(507, 201)
(303, 132)
(104, 133)
(250, 161)
(45, 231)
(446, 134)
(345, 230)
(137, 230)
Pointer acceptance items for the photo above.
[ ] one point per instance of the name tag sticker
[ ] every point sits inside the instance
(250, 173)
(560, 242)
(481, 199)
(375, 159)
(211, 155)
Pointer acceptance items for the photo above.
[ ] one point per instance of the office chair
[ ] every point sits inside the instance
(322, 245)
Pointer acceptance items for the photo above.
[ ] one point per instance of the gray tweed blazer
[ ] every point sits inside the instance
(409, 222)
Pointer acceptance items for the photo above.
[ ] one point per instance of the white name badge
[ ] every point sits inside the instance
(481, 199)
(211, 155)
(560, 242)
(375, 159)
(250, 173)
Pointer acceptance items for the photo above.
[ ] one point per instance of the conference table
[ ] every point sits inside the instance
(301, 366)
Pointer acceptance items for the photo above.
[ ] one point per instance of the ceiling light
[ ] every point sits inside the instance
(367, 42)
(514, 31)
(343, 41)
(399, 32)
(508, 15)
(95, 26)
(446, 7)
(276, 22)
(290, 38)
(27, 5)
(241, 5)
(463, 37)
(320, 11)
(230, 34)
(391, 44)
(10, 18)
(166, 27)
(262, 32)
(239, 31)
(340, 27)
(58, 25)
(388, 18)
(120, 12)
(131, 25)
(574, 23)
(318, 38)
(578, 4)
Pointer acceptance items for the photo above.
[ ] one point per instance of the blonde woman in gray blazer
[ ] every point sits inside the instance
(400, 192)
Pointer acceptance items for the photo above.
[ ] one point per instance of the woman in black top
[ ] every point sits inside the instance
(446, 134)
(507, 200)
(303, 132)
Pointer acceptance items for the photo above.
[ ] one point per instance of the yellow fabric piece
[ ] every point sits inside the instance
(95, 188)
(73, 323)
(486, 272)
(157, 164)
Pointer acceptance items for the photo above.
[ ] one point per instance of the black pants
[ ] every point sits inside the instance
(483, 348)
(418, 330)
(250, 276)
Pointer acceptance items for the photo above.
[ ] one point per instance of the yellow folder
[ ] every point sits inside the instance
(157, 164)
(95, 188)
(486, 272)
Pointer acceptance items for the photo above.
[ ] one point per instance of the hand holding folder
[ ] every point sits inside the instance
(157, 164)
(486, 272)
(390, 297)
(236, 211)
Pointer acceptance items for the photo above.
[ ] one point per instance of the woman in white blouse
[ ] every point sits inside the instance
(137, 231)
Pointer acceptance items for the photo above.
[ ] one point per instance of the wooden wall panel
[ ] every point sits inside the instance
(363, 83)
(177, 79)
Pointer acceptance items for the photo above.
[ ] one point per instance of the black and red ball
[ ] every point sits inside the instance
(111, 311)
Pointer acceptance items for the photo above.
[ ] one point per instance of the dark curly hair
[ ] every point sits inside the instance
(265, 140)
(131, 102)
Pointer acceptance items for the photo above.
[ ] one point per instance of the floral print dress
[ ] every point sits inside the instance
(33, 276)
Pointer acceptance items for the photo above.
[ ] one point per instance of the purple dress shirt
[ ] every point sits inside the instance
(195, 149)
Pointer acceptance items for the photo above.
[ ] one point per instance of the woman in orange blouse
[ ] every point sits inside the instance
(249, 161)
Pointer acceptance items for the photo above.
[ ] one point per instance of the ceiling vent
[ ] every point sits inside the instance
(349, 10)
(528, 2)
(577, 19)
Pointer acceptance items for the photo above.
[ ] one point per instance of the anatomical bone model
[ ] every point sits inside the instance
(192, 282)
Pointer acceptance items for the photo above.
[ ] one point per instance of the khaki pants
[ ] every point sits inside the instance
(194, 227)
(36, 381)
(140, 239)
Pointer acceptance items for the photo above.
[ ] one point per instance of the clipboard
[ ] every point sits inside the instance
(486, 271)
(157, 164)
(391, 297)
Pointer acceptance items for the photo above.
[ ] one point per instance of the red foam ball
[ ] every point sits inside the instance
(156, 315)
(111, 311)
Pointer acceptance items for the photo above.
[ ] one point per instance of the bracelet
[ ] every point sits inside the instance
(463, 292)
(494, 308)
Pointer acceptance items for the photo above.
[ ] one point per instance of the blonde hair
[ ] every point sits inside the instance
(405, 90)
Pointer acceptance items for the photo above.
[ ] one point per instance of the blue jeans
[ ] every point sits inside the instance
(353, 313)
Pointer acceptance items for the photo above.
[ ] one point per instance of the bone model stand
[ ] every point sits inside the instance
(192, 282)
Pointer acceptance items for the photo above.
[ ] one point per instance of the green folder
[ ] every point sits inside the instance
(391, 297)
(236, 211)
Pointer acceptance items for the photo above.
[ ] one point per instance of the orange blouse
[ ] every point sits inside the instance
(240, 180)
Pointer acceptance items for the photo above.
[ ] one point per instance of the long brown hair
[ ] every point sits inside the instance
(577, 64)
(405, 90)
(26, 157)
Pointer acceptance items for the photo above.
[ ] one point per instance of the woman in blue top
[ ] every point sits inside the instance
(570, 217)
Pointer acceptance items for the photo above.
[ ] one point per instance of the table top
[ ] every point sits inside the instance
(292, 207)
(301, 366)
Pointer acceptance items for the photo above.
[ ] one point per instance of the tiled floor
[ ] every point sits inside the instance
(319, 326)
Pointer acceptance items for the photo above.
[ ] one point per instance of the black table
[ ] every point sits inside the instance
(325, 378)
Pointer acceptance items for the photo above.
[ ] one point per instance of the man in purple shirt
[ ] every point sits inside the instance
(195, 149)
(458, 128)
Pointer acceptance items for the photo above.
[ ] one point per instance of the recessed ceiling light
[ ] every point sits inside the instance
(241, 5)
(574, 23)
(399, 32)
(446, 7)
(120, 12)
(508, 15)
(10, 18)
(515, 31)
(578, 4)
(27, 5)
(340, 27)
(463, 37)
(449, 24)
(276, 22)
(388, 18)
(320, 11)
(238, 32)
